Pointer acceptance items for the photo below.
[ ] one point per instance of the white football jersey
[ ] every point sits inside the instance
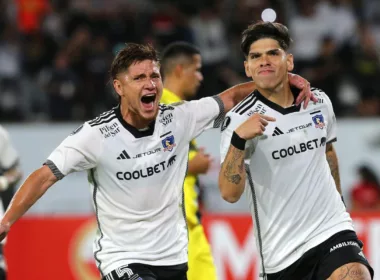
(136, 178)
(292, 194)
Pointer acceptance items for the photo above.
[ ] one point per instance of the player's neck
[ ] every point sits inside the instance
(172, 84)
(281, 95)
(133, 118)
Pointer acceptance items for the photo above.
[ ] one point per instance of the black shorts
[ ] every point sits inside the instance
(321, 261)
(137, 271)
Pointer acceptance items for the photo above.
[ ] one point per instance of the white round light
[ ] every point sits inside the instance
(268, 15)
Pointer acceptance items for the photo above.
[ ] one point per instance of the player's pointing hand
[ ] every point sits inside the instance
(254, 126)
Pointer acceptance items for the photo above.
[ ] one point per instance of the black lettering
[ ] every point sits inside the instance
(127, 175)
(274, 156)
(157, 168)
(315, 142)
(163, 165)
(309, 146)
(150, 171)
(290, 151)
(142, 174)
(118, 175)
(283, 153)
(303, 147)
(295, 150)
(136, 175)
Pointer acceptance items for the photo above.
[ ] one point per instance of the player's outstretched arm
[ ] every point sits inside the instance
(332, 159)
(235, 94)
(31, 190)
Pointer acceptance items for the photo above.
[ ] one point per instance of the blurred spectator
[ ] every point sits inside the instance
(365, 195)
(30, 14)
(61, 85)
(365, 70)
(10, 71)
(334, 49)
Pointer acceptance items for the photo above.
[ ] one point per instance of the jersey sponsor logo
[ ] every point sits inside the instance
(168, 143)
(260, 109)
(226, 123)
(77, 130)
(277, 131)
(146, 172)
(164, 108)
(147, 153)
(300, 148)
(123, 155)
(319, 121)
(304, 126)
(166, 119)
(109, 130)
(344, 244)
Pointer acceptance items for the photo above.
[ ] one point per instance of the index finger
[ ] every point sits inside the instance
(268, 118)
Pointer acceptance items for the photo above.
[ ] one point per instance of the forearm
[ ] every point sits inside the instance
(232, 175)
(235, 94)
(30, 191)
(332, 159)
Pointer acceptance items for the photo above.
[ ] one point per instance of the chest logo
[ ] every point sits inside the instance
(168, 143)
(319, 121)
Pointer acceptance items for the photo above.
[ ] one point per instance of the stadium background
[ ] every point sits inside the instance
(53, 75)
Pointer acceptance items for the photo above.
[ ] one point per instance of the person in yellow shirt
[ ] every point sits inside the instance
(181, 69)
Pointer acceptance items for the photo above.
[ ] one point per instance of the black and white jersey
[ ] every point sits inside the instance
(292, 194)
(136, 178)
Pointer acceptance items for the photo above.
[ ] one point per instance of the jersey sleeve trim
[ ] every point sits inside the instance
(332, 140)
(219, 119)
(58, 174)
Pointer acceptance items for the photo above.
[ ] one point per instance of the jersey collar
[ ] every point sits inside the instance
(278, 108)
(133, 130)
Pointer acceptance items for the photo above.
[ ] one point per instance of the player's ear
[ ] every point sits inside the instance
(117, 87)
(289, 62)
(247, 72)
(178, 70)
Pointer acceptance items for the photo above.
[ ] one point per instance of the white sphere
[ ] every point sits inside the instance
(268, 15)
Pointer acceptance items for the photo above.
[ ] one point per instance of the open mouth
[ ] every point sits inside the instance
(148, 100)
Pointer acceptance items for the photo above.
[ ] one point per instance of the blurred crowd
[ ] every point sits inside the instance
(55, 54)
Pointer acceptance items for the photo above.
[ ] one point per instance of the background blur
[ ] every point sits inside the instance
(54, 61)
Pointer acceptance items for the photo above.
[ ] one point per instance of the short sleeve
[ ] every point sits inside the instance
(331, 121)
(202, 114)
(230, 123)
(79, 151)
(8, 155)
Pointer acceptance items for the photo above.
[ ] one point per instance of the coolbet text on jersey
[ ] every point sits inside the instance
(285, 166)
(136, 178)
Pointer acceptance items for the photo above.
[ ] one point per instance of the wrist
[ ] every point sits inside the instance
(238, 142)
(5, 226)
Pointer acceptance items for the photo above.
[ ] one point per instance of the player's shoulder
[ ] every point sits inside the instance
(103, 118)
(320, 95)
(104, 124)
(245, 107)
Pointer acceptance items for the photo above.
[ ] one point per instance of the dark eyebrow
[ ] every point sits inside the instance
(139, 76)
(267, 52)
